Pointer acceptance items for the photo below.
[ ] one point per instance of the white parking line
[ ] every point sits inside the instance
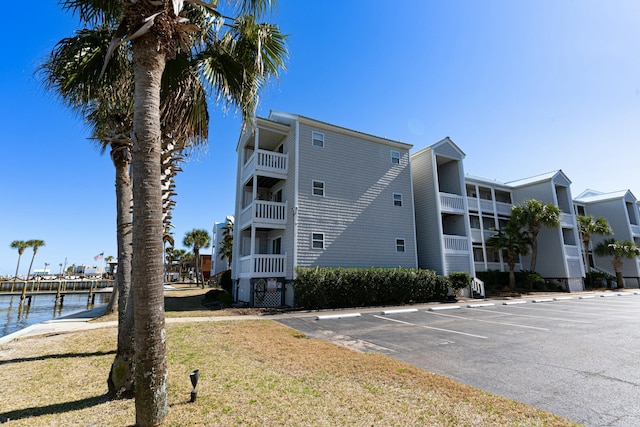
(490, 321)
(430, 327)
(536, 317)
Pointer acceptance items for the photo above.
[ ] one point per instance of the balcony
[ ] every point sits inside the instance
(567, 220)
(452, 203)
(572, 251)
(266, 163)
(265, 214)
(456, 244)
(261, 265)
(635, 230)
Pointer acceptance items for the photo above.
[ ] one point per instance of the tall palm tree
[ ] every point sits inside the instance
(587, 227)
(159, 30)
(618, 250)
(20, 245)
(513, 243)
(35, 244)
(226, 243)
(533, 215)
(197, 239)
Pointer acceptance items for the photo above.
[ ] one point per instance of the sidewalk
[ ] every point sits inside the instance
(80, 321)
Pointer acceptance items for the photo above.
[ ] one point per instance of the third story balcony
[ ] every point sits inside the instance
(266, 163)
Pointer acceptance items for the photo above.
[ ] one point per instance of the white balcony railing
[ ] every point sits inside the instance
(504, 208)
(571, 251)
(566, 220)
(266, 162)
(451, 202)
(635, 230)
(456, 243)
(265, 213)
(261, 265)
(472, 202)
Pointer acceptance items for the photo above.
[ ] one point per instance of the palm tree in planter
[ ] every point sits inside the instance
(532, 215)
(619, 251)
(512, 242)
(587, 227)
(197, 239)
(20, 245)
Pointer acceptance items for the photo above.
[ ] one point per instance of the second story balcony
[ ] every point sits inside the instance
(265, 214)
(266, 163)
(452, 203)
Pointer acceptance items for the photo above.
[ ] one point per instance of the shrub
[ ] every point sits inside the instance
(225, 281)
(357, 287)
(458, 281)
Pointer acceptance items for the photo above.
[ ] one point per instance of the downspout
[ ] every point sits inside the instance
(296, 175)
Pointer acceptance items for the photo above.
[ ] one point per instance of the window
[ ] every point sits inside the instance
(399, 245)
(317, 139)
(318, 188)
(474, 221)
(317, 241)
(478, 255)
(395, 157)
(397, 199)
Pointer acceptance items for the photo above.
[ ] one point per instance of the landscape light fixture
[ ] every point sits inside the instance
(194, 382)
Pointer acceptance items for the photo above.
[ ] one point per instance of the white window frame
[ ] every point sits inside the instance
(395, 157)
(401, 244)
(315, 240)
(397, 199)
(313, 188)
(317, 139)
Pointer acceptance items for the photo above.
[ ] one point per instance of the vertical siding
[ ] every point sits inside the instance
(428, 231)
(356, 215)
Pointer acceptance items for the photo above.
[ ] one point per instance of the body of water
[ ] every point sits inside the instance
(15, 316)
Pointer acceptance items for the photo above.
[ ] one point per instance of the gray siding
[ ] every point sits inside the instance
(356, 215)
(428, 229)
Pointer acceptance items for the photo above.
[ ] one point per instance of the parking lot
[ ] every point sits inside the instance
(573, 355)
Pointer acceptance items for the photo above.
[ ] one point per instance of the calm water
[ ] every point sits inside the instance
(14, 317)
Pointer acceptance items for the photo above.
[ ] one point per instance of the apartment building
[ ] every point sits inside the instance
(456, 213)
(620, 209)
(312, 194)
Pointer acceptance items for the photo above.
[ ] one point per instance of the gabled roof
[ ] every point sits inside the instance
(592, 196)
(275, 115)
(557, 175)
(445, 147)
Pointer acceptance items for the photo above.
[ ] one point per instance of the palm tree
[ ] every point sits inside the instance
(236, 70)
(197, 239)
(226, 243)
(35, 244)
(514, 243)
(588, 226)
(618, 250)
(533, 215)
(20, 245)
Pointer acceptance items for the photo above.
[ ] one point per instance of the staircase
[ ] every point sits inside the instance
(477, 288)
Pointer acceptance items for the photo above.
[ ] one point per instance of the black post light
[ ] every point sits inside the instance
(194, 376)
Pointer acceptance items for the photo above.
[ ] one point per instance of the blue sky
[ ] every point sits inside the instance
(523, 88)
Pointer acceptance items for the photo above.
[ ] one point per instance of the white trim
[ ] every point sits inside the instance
(320, 139)
(313, 240)
(393, 158)
(399, 200)
(313, 188)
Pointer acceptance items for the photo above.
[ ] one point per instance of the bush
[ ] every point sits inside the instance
(458, 281)
(358, 287)
(225, 281)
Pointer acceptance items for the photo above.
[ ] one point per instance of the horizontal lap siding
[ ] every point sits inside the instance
(427, 215)
(356, 215)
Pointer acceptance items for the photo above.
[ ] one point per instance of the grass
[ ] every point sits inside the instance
(252, 373)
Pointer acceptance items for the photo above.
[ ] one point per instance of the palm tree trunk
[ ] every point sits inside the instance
(31, 264)
(151, 376)
(534, 251)
(121, 377)
(13, 285)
